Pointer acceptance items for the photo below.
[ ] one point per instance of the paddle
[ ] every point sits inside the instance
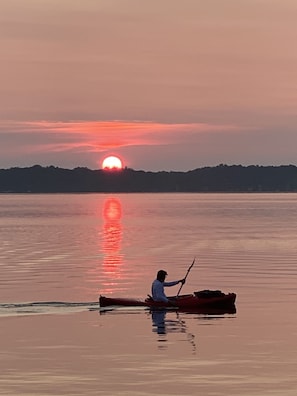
(189, 269)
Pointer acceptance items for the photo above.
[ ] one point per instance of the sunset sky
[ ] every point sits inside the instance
(163, 84)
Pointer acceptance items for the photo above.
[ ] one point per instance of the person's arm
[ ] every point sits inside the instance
(173, 283)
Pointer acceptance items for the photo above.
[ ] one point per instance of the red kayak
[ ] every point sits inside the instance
(203, 300)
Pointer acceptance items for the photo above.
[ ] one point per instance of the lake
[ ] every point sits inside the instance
(58, 253)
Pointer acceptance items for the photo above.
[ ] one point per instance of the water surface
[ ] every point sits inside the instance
(59, 252)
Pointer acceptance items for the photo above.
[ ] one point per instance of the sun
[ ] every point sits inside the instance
(112, 163)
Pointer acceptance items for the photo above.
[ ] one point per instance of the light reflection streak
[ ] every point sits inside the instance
(111, 243)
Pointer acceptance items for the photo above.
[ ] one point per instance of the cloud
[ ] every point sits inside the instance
(100, 136)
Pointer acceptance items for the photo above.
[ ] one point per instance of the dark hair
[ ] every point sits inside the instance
(161, 275)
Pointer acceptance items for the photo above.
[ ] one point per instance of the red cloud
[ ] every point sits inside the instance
(98, 136)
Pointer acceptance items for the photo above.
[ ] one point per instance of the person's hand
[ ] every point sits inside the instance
(183, 281)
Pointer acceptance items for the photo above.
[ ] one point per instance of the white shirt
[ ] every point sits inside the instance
(158, 290)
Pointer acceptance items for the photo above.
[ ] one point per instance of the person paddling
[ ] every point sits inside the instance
(158, 285)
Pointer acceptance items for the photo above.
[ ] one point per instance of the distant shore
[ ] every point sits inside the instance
(221, 178)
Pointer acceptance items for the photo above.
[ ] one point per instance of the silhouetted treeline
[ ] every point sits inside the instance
(222, 178)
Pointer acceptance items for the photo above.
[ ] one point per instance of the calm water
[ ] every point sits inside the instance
(59, 252)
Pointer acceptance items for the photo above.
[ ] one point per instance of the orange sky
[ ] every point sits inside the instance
(165, 84)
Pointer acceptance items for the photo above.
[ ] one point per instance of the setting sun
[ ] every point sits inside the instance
(112, 163)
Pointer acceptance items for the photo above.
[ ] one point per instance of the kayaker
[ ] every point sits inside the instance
(158, 285)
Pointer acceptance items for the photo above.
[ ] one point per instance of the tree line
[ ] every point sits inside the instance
(221, 178)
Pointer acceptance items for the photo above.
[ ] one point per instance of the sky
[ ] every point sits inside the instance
(163, 84)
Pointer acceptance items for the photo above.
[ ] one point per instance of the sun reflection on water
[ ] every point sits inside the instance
(111, 242)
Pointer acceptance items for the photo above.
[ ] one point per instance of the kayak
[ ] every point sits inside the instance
(202, 300)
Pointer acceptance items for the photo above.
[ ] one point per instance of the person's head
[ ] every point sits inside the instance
(161, 275)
